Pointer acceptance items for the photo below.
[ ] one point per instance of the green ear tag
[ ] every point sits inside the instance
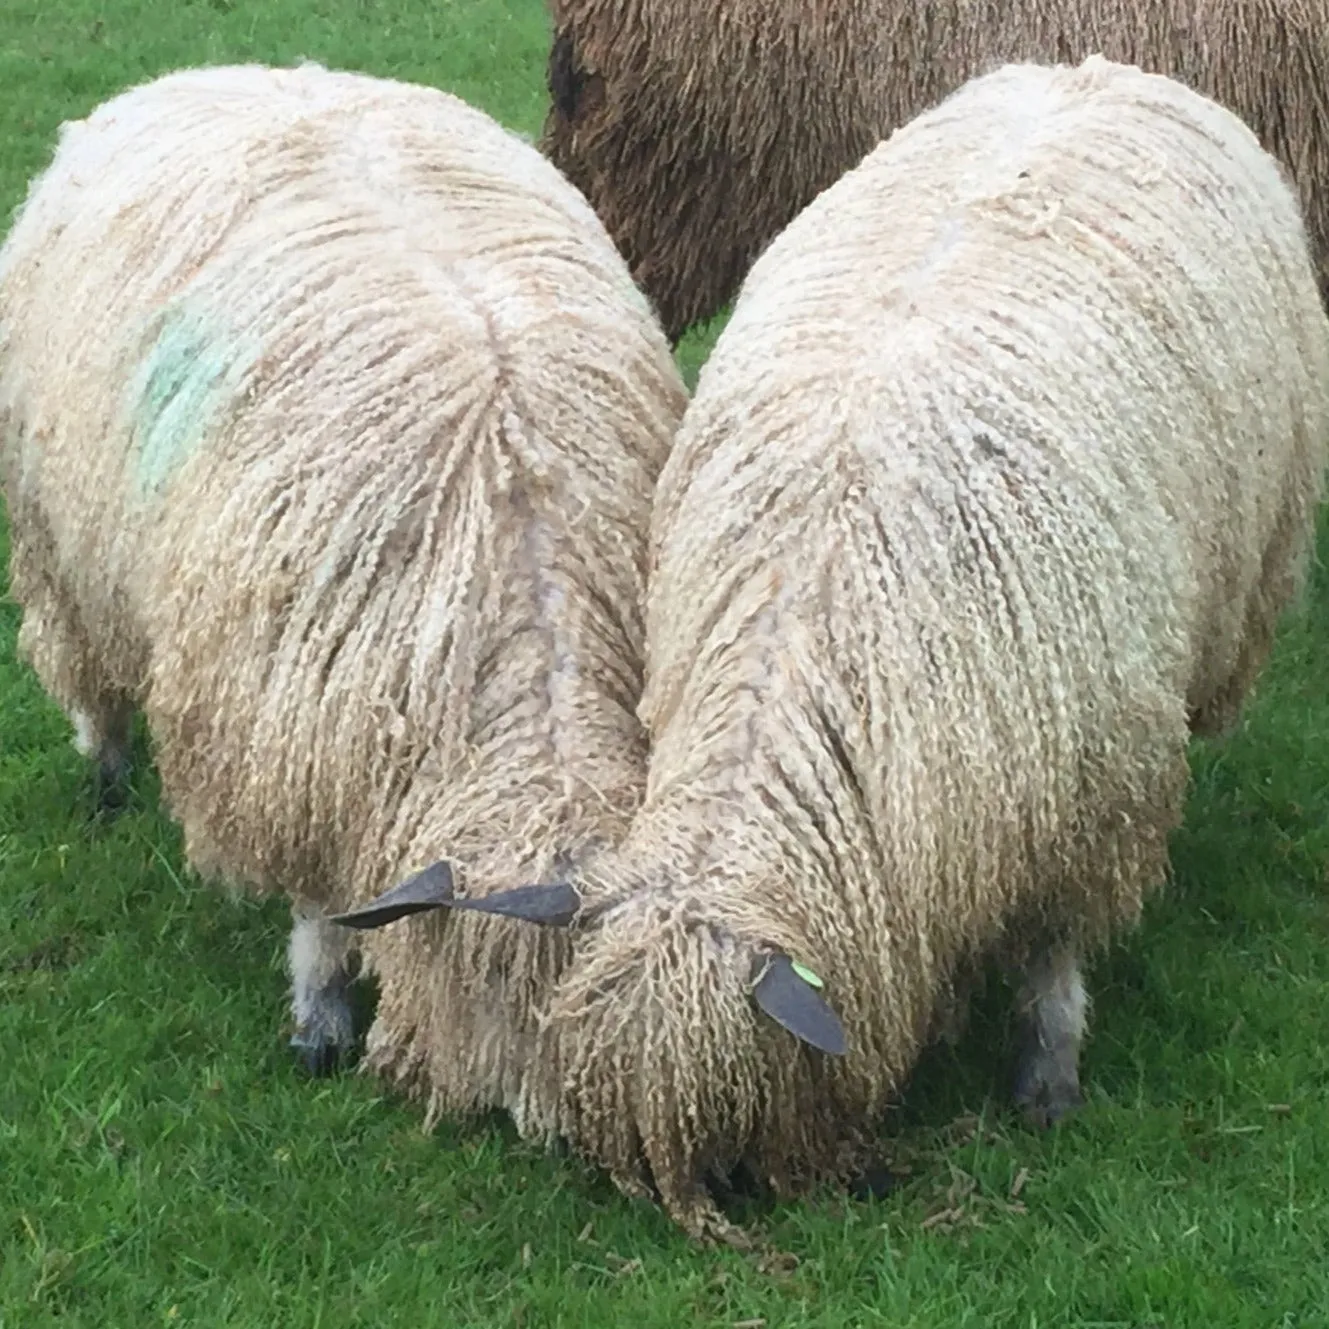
(806, 974)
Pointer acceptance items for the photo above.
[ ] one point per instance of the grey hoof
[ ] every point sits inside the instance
(112, 797)
(112, 783)
(876, 1183)
(1047, 1088)
(317, 1059)
(734, 1186)
(1050, 1105)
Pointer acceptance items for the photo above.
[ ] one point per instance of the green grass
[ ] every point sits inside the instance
(162, 1163)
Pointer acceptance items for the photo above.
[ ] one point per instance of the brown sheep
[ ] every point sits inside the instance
(699, 129)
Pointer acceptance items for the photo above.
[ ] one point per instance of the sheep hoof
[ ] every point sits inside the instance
(1046, 1089)
(111, 781)
(112, 795)
(1044, 1112)
(735, 1184)
(103, 734)
(875, 1183)
(317, 1057)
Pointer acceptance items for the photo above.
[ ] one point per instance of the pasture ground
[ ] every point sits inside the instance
(163, 1164)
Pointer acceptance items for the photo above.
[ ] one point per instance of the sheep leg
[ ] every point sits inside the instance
(319, 956)
(1053, 1006)
(104, 736)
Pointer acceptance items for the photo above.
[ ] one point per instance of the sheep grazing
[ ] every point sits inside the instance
(331, 419)
(997, 481)
(698, 130)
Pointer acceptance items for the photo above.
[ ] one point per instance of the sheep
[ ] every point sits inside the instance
(699, 130)
(994, 487)
(330, 418)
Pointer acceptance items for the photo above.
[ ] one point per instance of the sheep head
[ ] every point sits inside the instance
(782, 988)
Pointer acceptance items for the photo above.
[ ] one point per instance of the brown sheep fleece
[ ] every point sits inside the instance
(699, 129)
(330, 422)
(999, 478)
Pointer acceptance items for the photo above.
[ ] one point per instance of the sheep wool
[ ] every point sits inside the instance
(698, 130)
(996, 483)
(330, 421)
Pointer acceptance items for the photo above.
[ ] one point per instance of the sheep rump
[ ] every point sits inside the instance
(330, 423)
(699, 130)
(994, 486)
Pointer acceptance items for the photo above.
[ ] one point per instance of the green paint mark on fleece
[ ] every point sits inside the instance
(190, 377)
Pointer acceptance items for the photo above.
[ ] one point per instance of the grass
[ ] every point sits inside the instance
(162, 1163)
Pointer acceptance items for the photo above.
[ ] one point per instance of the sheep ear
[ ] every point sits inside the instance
(555, 905)
(791, 1001)
(430, 889)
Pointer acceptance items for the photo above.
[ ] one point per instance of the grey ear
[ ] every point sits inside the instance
(430, 889)
(555, 905)
(796, 1005)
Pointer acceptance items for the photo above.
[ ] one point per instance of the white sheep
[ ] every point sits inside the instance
(995, 484)
(329, 419)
